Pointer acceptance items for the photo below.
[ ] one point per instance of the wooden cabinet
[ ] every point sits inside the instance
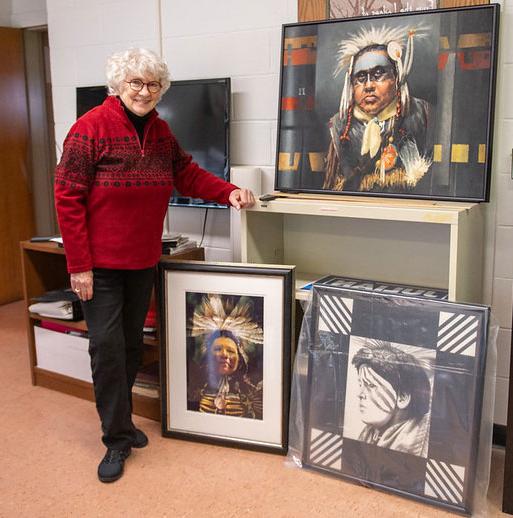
(44, 269)
(420, 242)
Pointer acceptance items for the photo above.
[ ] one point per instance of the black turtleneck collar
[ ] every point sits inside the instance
(138, 121)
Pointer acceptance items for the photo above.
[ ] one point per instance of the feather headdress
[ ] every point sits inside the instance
(397, 40)
(214, 314)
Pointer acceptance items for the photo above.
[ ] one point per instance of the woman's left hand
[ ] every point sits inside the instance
(242, 199)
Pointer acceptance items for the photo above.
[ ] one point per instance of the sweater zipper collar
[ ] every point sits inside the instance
(145, 134)
(118, 109)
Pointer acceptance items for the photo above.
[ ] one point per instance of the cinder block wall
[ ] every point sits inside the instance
(241, 39)
(199, 39)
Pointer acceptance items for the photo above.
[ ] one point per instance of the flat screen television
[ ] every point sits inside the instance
(198, 113)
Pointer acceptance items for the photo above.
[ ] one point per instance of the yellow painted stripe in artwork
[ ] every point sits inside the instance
(286, 164)
(316, 162)
(482, 39)
(444, 42)
(459, 153)
(481, 154)
(437, 153)
(298, 43)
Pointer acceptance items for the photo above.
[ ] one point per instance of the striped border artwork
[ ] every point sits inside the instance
(444, 481)
(449, 340)
(457, 333)
(326, 449)
(335, 314)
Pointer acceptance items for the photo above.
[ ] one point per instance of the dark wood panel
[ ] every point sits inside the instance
(146, 406)
(192, 254)
(461, 3)
(16, 213)
(62, 383)
(143, 406)
(310, 10)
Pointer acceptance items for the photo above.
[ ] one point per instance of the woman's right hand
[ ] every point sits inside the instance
(82, 284)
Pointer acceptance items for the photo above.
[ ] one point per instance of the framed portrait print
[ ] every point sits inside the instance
(397, 105)
(395, 390)
(225, 352)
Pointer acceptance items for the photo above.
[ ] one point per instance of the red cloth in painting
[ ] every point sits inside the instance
(112, 192)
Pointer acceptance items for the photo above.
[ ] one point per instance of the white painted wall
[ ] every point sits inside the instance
(27, 13)
(241, 39)
(5, 13)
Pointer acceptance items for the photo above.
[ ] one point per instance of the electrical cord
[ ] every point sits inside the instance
(204, 226)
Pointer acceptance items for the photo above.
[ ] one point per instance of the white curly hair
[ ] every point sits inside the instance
(135, 62)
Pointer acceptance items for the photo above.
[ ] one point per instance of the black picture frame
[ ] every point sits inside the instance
(256, 419)
(433, 461)
(430, 145)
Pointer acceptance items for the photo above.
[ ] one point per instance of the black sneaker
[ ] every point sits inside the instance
(111, 466)
(140, 439)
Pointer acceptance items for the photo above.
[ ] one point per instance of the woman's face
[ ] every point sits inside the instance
(226, 356)
(141, 102)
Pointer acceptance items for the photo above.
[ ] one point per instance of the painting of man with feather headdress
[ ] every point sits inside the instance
(379, 136)
(225, 354)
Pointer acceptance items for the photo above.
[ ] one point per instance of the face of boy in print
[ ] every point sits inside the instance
(378, 399)
(226, 355)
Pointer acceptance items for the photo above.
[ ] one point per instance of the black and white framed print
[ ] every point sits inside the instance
(395, 389)
(225, 354)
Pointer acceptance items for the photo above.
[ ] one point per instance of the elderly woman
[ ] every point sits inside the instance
(118, 168)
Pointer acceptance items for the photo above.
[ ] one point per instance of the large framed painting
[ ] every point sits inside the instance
(226, 332)
(395, 389)
(395, 105)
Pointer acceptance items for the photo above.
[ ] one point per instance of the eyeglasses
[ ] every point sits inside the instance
(137, 85)
(376, 75)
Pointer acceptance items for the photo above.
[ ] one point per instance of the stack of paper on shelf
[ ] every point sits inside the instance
(61, 309)
(175, 243)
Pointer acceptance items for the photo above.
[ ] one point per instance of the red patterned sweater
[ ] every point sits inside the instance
(112, 193)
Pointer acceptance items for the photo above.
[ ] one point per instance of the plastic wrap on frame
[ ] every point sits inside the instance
(396, 391)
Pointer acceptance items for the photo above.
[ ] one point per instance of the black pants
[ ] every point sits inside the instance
(115, 319)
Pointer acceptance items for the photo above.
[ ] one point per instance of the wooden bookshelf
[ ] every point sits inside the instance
(44, 269)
